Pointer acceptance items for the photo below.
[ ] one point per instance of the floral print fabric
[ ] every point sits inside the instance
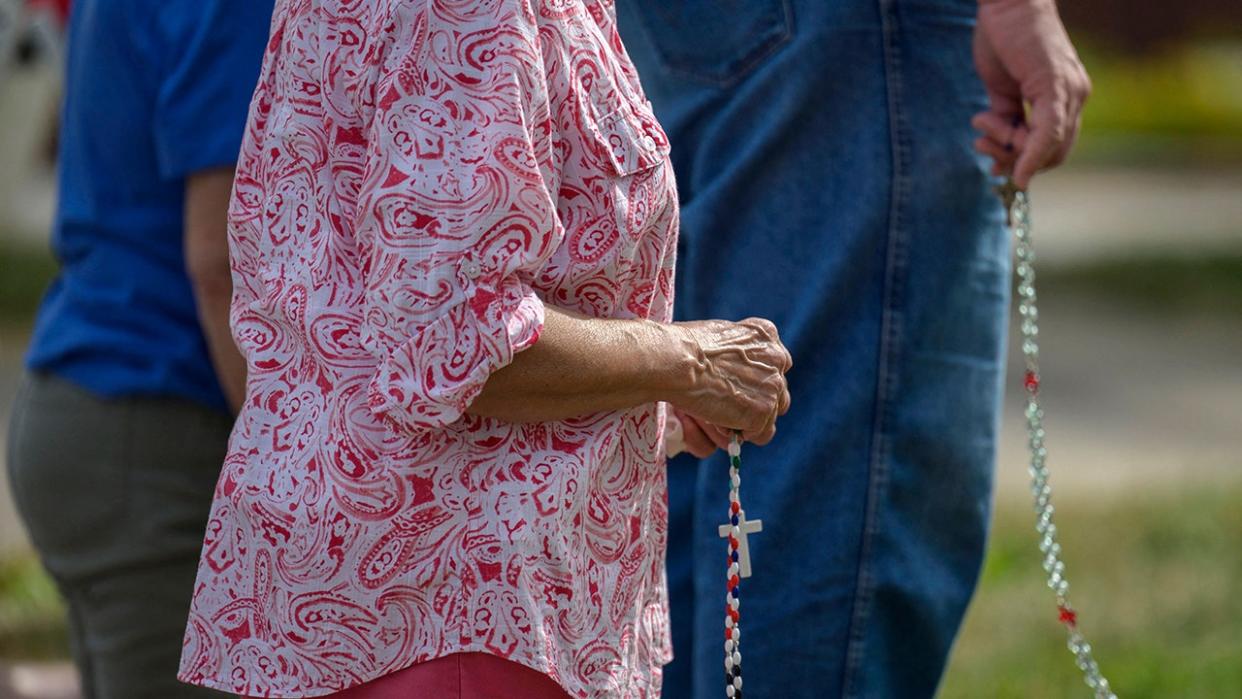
(418, 179)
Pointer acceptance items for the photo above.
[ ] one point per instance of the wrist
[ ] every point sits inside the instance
(678, 362)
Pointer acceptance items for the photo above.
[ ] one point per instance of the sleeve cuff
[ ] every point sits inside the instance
(431, 379)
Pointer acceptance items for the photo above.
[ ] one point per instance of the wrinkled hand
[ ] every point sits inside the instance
(700, 438)
(1024, 55)
(738, 380)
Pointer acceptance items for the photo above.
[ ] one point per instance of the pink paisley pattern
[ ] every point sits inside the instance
(418, 178)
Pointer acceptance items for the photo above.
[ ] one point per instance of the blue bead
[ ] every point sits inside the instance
(735, 520)
(736, 590)
(734, 554)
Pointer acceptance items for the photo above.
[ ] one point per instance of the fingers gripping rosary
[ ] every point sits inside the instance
(1017, 208)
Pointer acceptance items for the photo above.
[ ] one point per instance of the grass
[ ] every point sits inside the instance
(32, 621)
(1155, 579)
(1165, 284)
(1181, 106)
(25, 271)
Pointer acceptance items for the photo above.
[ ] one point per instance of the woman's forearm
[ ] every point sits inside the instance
(583, 365)
(207, 264)
(727, 374)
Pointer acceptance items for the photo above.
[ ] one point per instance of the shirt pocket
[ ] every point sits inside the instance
(629, 150)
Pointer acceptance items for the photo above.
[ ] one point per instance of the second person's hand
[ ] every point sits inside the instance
(1024, 56)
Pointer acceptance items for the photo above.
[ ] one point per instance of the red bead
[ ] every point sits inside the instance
(1068, 616)
(733, 581)
(733, 614)
(736, 506)
(1031, 381)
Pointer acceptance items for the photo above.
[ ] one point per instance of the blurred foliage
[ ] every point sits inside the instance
(1144, 27)
(1181, 105)
(1164, 284)
(32, 617)
(25, 271)
(1155, 582)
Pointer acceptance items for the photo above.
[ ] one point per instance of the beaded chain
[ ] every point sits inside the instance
(1017, 205)
(733, 618)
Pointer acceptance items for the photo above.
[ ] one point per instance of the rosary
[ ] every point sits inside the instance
(1018, 215)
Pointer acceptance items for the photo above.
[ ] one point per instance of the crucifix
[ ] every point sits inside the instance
(739, 527)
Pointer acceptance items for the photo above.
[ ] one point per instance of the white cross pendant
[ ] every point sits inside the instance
(743, 547)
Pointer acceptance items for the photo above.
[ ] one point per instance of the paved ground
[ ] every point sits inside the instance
(38, 681)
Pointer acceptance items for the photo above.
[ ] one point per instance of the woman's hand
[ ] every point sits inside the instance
(736, 377)
(684, 432)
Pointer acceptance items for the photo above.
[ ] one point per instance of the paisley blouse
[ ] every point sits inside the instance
(418, 179)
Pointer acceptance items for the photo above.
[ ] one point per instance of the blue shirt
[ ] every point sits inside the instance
(155, 90)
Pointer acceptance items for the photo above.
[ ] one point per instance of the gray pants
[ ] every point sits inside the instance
(115, 495)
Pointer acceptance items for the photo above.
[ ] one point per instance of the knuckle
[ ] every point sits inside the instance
(766, 326)
(767, 435)
(1058, 131)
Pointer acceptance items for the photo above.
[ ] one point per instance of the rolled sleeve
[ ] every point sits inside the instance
(458, 219)
(430, 380)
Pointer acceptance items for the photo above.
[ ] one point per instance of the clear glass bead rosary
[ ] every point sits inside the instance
(1018, 212)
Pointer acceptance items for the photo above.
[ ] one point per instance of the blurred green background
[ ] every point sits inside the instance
(1140, 243)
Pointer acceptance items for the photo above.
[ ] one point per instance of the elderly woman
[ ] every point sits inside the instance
(453, 232)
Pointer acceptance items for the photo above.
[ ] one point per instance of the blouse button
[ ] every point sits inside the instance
(472, 269)
(649, 142)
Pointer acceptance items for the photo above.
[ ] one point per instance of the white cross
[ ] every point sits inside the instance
(740, 531)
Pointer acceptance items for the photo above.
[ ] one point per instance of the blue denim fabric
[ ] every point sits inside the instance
(824, 161)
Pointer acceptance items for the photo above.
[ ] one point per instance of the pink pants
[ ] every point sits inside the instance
(460, 676)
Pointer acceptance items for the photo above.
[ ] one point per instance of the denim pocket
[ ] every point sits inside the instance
(715, 41)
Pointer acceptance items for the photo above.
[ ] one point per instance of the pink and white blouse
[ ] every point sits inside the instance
(418, 179)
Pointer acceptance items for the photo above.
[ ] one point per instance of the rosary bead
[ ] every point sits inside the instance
(1067, 616)
(1031, 381)
(1017, 204)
